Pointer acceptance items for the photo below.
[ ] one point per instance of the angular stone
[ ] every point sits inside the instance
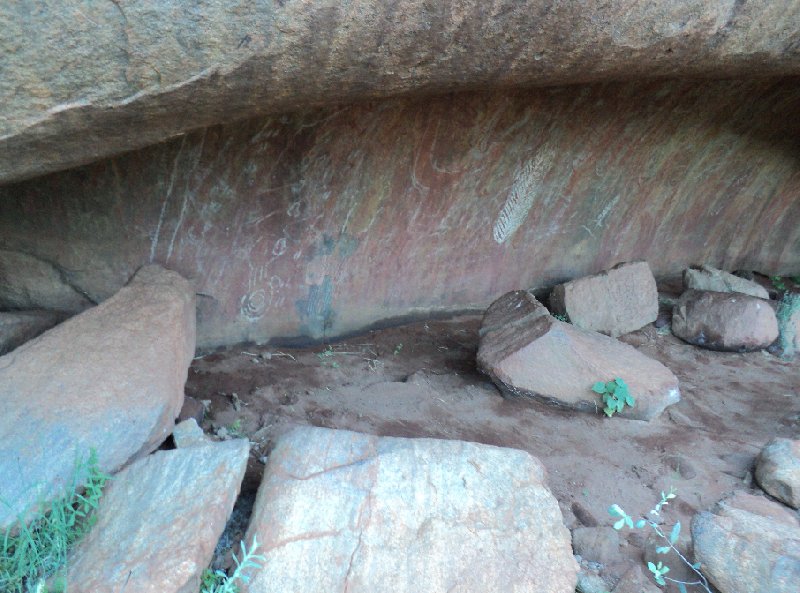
(748, 543)
(17, 327)
(556, 362)
(513, 307)
(189, 434)
(778, 470)
(110, 378)
(136, 74)
(710, 278)
(724, 321)
(159, 521)
(615, 302)
(341, 511)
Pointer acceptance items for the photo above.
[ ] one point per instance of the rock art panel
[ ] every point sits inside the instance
(321, 223)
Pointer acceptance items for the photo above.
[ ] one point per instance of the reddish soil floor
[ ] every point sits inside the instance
(420, 380)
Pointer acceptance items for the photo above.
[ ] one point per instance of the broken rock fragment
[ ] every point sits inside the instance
(159, 521)
(541, 357)
(111, 379)
(342, 511)
(724, 321)
(709, 278)
(615, 302)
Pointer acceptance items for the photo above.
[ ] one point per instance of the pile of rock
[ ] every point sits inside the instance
(528, 352)
(336, 510)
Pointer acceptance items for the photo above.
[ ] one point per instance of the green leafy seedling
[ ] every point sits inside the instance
(615, 396)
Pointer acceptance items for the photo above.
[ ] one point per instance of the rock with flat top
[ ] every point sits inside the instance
(724, 321)
(342, 511)
(541, 357)
(110, 378)
(710, 278)
(159, 521)
(615, 302)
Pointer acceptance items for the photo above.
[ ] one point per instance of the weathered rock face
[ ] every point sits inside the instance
(18, 327)
(724, 321)
(159, 521)
(748, 543)
(128, 75)
(710, 278)
(321, 223)
(111, 379)
(614, 302)
(778, 470)
(342, 511)
(788, 314)
(541, 357)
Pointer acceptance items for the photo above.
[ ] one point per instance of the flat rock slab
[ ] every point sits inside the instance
(710, 278)
(110, 378)
(17, 327)
(778, 470)
(159, 521)
(724, 321)
(541, 357)
(343, 511)
(748, 543)
(615, 302)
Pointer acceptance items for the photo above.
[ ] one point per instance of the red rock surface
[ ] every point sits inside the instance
(322, 223)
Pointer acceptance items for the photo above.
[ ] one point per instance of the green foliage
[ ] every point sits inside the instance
(659, 569)
(398, 349)
(788, 308)
(217, 581)
(561, 317)
(326, 355)
(34, 550)
(778, 283)
(615, 396)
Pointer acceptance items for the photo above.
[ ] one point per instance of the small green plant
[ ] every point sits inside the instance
(398, 349)
(658, 569)
(778, 283)
(217, 581)
(615, 396)
(326, 355)
(561, 317)
(35, 547)
(235, 429)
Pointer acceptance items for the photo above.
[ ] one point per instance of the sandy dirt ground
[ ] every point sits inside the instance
(420, 380)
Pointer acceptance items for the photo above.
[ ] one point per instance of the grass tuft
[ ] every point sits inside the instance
(35, 547)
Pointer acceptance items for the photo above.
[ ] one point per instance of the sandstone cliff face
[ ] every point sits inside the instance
(325, 221)
(85, 82)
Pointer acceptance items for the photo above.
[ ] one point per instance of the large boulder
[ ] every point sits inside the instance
(778, 470)
(159, 521)
(17, 327)
(342, 511)
(748, 543)
(724, 321)
(710, 278)
(541, 357)
(615, 302)
(125, 75)
(110, 378)
(788, 314)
